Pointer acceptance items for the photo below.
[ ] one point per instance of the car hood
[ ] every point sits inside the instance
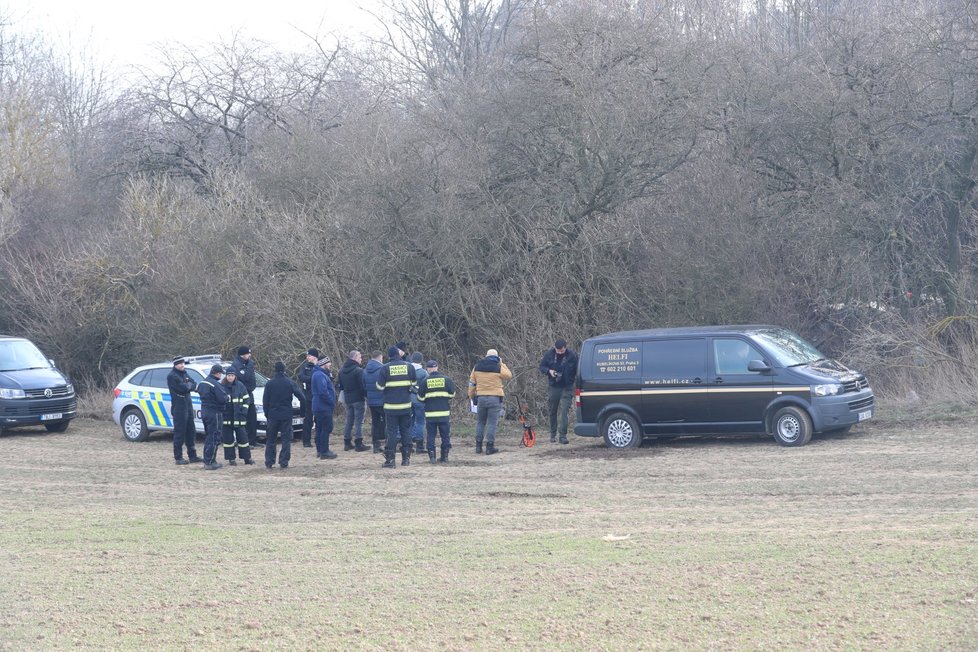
(830, 370)
(32, 379)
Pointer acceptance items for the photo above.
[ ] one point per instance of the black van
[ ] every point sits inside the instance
(714, 379)
(32, 390)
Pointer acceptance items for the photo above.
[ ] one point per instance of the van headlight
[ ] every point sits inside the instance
(12, 393)
(826, 390)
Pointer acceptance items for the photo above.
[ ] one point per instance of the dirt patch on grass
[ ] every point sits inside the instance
(864, 540)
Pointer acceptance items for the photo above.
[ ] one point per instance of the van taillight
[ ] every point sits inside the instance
(117, 391)
(577, 397)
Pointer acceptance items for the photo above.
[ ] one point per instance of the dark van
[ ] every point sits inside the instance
(714, 379)
(32, 390)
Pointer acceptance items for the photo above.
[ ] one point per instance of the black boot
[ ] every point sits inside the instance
(491, 449)
(378, 446)
(388, 460)
(358, 446)
(431, 456)
(347, 445)
(444, 455)
(406, 456)
(421, 447)
(478, 447)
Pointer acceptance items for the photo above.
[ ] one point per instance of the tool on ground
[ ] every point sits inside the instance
(529, 437)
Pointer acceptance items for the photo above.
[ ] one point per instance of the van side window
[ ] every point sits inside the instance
(671, 360)
(731, 356)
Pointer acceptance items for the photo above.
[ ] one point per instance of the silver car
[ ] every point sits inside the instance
(142, 399)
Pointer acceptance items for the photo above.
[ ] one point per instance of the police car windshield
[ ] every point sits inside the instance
(20, 355)
(788, 349)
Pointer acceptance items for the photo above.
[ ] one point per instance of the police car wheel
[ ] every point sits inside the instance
(621, 431)
(134, 425)
(792, 426)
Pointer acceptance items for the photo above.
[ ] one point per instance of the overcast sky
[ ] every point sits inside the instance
(124, 32)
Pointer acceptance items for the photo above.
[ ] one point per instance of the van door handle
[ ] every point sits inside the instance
(718, 380)
(697, 381)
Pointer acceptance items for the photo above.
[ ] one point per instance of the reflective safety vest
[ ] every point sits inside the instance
(437, 392)
(395, 380)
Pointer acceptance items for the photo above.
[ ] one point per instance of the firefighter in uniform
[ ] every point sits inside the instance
(182, 411)
(305, 380)
(395, 380)
(234, 430)
(213, 398)
(436, 392)
(246, 374)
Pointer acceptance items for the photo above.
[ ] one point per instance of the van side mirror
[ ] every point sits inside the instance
(757, 365)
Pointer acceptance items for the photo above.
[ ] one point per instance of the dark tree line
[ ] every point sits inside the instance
(500, 172)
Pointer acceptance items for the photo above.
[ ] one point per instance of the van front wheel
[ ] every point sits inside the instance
(792, 426)
(621, 430)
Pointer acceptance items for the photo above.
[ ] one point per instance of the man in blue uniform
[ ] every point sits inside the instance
(213, 398)
(395, 380)
(277, 402)
(182, 410)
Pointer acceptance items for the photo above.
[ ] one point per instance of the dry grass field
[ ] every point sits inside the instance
(863, 541)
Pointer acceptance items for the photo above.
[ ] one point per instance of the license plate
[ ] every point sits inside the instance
(297, 421)
(50, 417)
(865, 415)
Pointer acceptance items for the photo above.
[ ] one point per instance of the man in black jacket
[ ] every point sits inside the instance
(559, 365)
(277, 402)
(305, 380)
(246, 374)
(354, 397)
(213, 398)
(182, 410)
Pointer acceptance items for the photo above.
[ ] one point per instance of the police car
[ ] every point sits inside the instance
(142, 399)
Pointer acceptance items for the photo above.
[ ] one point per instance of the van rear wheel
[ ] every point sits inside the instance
(792, 426)
(621, 430)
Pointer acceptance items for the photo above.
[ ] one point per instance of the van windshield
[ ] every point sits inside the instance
(788, 349)
(18, 355)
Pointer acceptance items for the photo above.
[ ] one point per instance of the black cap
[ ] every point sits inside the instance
(230, 370)
(402, 345)
(217, 368)
(244, 350)
(313, 352)
(177, 360)
(280, 367)
(393, 352)
(431, 363)
(561, 343)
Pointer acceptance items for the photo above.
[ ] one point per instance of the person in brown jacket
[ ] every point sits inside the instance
(486, 391)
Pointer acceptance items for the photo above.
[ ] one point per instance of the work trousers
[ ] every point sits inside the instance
(442, 426)
(212, 435)
(378, 426)
(275, 429)
(235, 438)
(184, 430)
(398, 429)
(307, 421)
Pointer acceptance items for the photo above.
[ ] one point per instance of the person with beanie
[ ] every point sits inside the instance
(277, 403)
(323, 404)
(246, 374)
(486, 392)
(305, 380)
(213, 398)
(234, 434)
(182, 411)
(436, 391)
(396, 379)
(375, 400)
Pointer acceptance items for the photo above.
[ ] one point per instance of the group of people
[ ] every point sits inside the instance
(409, 403)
